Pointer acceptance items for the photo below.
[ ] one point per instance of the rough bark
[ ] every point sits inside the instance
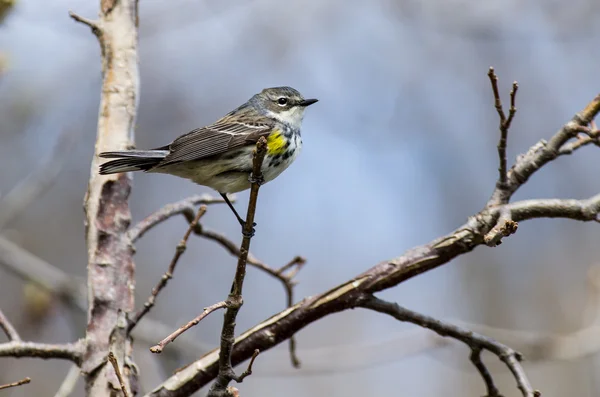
(110, 264)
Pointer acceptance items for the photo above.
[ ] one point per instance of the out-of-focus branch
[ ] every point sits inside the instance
(27, 266)
(36, 183)
(68, 384)
(67, 351)
(234, 301)
(413, 262)
(179, 250)
(475, 341)
(8, 328)
(15, 384)
(110, 267)
(16, 347)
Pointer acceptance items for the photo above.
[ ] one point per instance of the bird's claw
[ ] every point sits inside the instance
(249, 234)
(244, 232)
(258, 181)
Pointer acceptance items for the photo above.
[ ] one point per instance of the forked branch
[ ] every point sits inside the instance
(475, 341)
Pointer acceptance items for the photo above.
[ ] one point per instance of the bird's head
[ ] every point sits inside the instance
(284, 104)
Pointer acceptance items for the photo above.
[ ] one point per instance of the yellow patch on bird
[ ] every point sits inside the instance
(276, 143)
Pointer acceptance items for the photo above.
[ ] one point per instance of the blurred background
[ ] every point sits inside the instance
(400, 149)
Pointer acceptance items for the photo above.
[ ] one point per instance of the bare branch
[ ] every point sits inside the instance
(115, 365)
(181, 207)
(475, 341)
(186, 208)
(542, 153)
(158, 348)
(234, 301)
(94, 25)
(581, 210)
(475, 357)
(68, 384)
(248, 370)
(9, 329)
(505, 226)
(15, 384)
(496, 92)
(513, 109)
(67, 351)
(384, 275)
(504, 123)
(592, 136)
(181, 247)
(295, 263)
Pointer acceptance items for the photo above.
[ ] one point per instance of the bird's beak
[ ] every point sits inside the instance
(307, 102)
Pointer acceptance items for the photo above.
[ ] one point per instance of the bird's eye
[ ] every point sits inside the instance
(282, 101)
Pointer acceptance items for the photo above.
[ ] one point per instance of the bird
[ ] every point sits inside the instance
(219, 155)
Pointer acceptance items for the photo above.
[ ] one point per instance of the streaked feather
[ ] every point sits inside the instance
(232, 131)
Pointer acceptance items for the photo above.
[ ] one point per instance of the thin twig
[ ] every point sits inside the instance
(475, 357)
(248, 370)
(234, 301)
(15, 384)
(115, 364)
(510, 357)
(592, 137)
(9, 329)
(504, 124)
(158, 348)
(497, 101)
(170, 210)
(298, 261)
(513, 109)
(94, 25)
(180, 249)
(68, 384)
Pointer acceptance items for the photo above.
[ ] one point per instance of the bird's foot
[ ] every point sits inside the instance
(244, 232)
(258, 181)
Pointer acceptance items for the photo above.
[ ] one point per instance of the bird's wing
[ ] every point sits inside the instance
(222, 136)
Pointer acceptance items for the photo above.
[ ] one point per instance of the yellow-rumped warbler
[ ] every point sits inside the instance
(220, 155)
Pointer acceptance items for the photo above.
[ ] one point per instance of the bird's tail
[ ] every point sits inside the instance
(131, 160)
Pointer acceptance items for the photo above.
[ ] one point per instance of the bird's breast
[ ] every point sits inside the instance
(282, 151)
